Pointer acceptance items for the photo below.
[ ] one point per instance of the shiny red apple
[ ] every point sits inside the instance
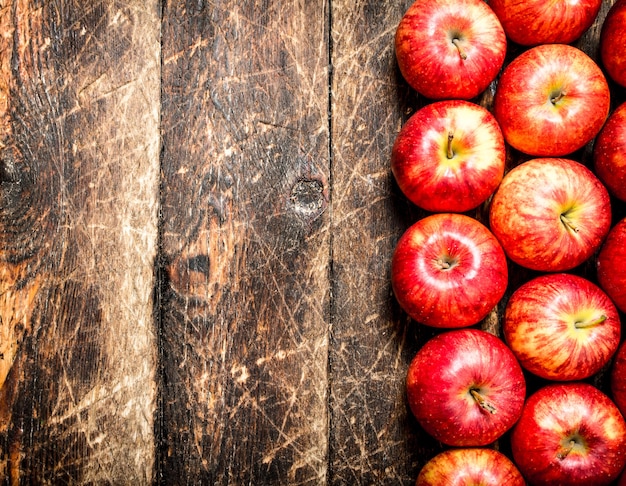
(550, 214)
(533, 22)
(470, 466)
(448, 271)
(561, 327)
(465, 387)
(611, 265)
(609, 152)
(618, 378)
(571, 434)
(613, 42)
(450, 48)
(449, 156)
(551, 100)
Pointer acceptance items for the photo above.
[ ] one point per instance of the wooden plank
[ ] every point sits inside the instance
(244, 331)
(373, 439)
(79, 99)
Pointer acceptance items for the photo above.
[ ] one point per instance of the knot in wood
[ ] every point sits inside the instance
(307, 195)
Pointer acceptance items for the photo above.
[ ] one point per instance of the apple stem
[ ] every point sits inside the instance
(484, 404)
(590, 323)
(565, 452)
(569, 223)
(450, 138)
(443, 263)
(457, 44)
(556, 98)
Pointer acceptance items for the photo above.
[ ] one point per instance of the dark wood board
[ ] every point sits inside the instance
(245, 243)
(79, 174)
(197, 219)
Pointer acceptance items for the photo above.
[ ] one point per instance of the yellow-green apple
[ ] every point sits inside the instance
(450, 48)
(465, 387)
(611, 265)
(569, 433)
(561, 327)
(551, 100)
(550, 214)
(533, 22)
(618, 378)
(449, 156)
(448, 271)
(609, 151)
(470, 466)
(613, 42)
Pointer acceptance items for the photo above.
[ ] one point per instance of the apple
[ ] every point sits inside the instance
(465, 387)
(618, 379)
(561, 327)
(470, 466)
(533, 22)
(613, 42)
(569, 433)
(611, 265)
(551, 100)
(550, 214)
(609, 152)
(450, 48)
(449, 156)
(448, 271)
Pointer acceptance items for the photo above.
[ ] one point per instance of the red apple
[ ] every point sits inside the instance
(561, 327)
(613, 43)
(550, 214)
(569, 433)
(450, 48)
(609, 152)
(611, 265)
(469, 467)
(448, 271)
(551, 100)
(533, 22)
(465, 387)
(618, 379)
(449, 156)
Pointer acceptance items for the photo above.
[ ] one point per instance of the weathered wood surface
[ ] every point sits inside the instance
(245, 243)
(79, 110)
(197, 219)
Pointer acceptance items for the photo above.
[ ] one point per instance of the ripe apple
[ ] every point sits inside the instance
(569, 433)
(450, 48)
(449, 156)
(469, 467)
(448, 271)
(533, 22)
(613, 42)
(465, 387)
(550, 214)
(611, 265)
(561, 327)
(618, 379)
(609, 152)
(551, 100)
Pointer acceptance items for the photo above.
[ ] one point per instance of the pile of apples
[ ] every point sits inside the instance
(549, 214)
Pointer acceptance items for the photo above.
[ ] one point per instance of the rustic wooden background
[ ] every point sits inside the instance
(197, 218)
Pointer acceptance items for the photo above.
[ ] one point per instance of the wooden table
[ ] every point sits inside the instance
(197, 218)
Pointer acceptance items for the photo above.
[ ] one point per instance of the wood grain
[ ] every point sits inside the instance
(245, 299)
(372, 437)
(79, 111)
